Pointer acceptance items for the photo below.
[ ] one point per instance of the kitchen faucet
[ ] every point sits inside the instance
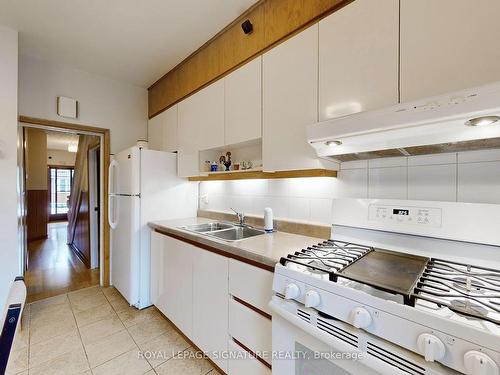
(241, 217)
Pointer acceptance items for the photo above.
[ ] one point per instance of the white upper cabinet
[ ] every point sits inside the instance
(162, 131)
(290, 102)
(201, 126)
(358, 58)
(448, 45)
(155, 132)
(243, 103)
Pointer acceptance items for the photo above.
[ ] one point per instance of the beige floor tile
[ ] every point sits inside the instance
(100, 329)
(163, 347)
(88, 302)
(53, 348)
(111, 292)
(84, 293)
(42, 331)
(51, 313)
(94, 314)
(119, 303)
(149, 329)
(18, 361)
(68, 364)
(129, 363)
(109, 347)
(21, 339)
(132, 316)
(49, 302)
(187, 366)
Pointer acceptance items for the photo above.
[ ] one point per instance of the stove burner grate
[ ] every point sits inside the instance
(465, 289)
(328, 257)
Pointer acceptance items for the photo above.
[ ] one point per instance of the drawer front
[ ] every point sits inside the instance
(251, 284)
(244, 365)
(250, 328)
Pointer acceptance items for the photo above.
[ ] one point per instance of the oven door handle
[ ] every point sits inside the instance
(367, 360)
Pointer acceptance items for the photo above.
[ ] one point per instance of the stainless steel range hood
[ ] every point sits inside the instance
(459, 121)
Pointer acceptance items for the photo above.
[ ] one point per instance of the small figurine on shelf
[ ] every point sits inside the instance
(226, 160)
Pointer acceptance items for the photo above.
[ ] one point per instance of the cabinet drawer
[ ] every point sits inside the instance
(250, 328)
(245, 365)
(251, 284)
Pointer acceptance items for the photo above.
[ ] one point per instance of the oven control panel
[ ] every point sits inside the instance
(406, 215)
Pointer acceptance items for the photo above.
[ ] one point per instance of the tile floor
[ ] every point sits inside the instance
(95, 331)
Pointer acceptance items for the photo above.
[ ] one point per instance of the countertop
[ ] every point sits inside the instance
(264, 250)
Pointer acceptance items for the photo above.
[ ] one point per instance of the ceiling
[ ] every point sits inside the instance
(60, 140)
(128, 40)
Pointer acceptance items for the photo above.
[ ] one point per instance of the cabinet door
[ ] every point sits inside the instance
(162, 131)
(155, 132)
(243, 103)
(210, 309)
(169, 136)
(358, 58)
(448, 45)
(290, 102)
(178, 284)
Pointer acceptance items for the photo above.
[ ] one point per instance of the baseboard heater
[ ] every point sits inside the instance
(15, 306)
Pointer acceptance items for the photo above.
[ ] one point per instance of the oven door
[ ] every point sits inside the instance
(301, 349)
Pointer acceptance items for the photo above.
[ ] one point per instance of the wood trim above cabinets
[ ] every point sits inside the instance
(273, 22)
(252, 175)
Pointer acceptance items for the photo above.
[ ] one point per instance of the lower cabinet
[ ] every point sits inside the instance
(215, 301)
(210, 304)
(172, 280)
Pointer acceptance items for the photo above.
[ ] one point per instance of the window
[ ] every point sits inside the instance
(61, 181)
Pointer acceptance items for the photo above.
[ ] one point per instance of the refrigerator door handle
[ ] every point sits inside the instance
(112, 212)
(112, 176)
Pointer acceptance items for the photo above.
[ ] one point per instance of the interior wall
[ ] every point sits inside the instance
(61, 157)
(472, 177)
(37, 197)
(103, 102)
(36, 159)
(9, 252)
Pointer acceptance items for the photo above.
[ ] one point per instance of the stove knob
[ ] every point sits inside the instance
(477, 363)
(292, 291)
(312, 299)
(430, 347)
(360, 317)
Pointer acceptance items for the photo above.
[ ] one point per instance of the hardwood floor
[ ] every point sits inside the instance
(54, 268)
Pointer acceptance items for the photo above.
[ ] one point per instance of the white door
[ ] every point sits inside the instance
(210, 303)
(125, 251)
(124, 172)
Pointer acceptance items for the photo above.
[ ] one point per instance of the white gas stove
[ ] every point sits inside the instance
(412, 286)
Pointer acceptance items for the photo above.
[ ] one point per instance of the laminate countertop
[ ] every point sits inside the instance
(264, 250)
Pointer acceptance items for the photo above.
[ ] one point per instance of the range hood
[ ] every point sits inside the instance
(459, 121)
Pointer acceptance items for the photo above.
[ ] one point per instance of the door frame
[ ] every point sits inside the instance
(104, 135)
(94, 181)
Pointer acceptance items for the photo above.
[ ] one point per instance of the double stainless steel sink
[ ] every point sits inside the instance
(224, 231)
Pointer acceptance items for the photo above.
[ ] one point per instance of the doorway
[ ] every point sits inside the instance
(70, 255)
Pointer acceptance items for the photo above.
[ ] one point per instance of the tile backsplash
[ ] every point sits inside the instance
(472, 176)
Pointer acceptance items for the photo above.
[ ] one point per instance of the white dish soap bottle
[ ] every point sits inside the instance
(268, 220)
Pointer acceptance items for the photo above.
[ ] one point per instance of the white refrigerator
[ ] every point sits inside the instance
(143, 187)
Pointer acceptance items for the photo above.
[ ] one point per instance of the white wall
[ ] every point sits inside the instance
(61, 157)
(103, 102)
(9, 254)
(463, 177)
